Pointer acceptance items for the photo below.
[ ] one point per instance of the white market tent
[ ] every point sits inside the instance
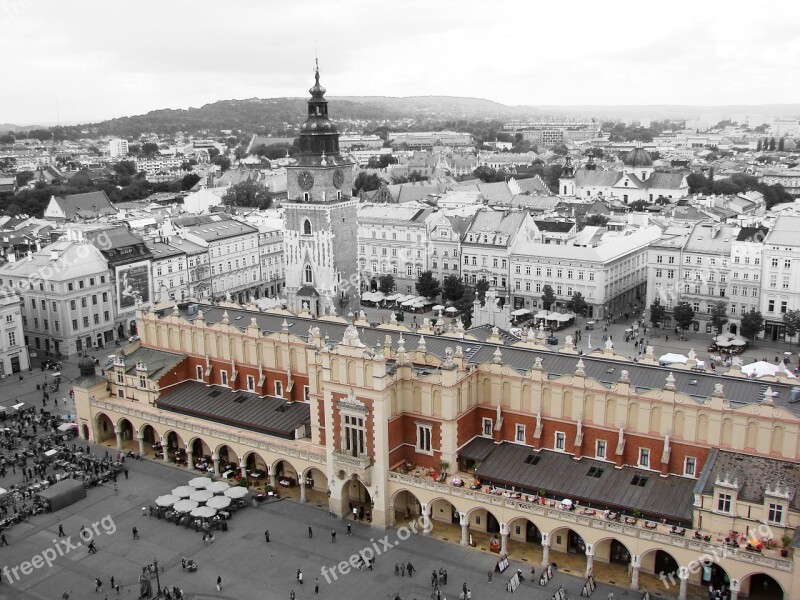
(672, 358)
(762, 368)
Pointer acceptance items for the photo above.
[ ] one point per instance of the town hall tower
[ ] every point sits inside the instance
(321, 228)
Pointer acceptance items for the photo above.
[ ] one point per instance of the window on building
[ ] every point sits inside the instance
(424, 439)
(279, 389)
(198, 371)
(309, 275)
(783, 307)
(771, 306)
(251, 383)
(120, 377)
(600, 449)
(12, 338)
(724, 503)
(644, 458)
(775, 513)
(85, 321)
(487, 426)
(142, 381)
(689, 466)
(354, 436)
(223, 377)
(519, 435)
(560, 440)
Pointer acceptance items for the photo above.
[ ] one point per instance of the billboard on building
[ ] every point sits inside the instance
(134, 285)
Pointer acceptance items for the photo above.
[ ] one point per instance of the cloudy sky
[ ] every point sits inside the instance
(87, 60)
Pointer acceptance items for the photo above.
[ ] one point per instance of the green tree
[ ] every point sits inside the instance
(683, 315)
(275, 151)
(24, 177)
(719, 315)
(791, 320)
(638, 205)
(781, 144)
(125, 167)
(223, 162)
(657, 312)
(453, 288)
(248, 193)
(577, 304)
(189, 181)
(240, 152)
(7, 138)
(427, 285)
(386, 284)
(595, 221)
(772, 144)
(366, 182)
(561, 150)
(481, 287)
(759, 146)
(149, 149)
(751, 324)
(548, 296)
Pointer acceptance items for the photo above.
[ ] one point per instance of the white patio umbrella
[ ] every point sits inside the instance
(167, 500)
(219, 502)
(671, 357)
(201, 496)
(236, 492)
(723, 343)
(204, 512)
(183, 491)
(437, 308)
(451, 309)
(738, 342)
(200, 483)
(185, 505)
(218, 487)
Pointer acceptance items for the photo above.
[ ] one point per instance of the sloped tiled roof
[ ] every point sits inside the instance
(665, 181)
(90, 204)
(584, 178)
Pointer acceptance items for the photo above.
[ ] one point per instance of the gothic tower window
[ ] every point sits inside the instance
(309, 278)
(306, 227)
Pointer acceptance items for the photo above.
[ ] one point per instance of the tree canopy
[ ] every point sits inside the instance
(548, 296)
(453, 288)
(737, 184)
(248, 193)
(751, 324)
(577, 303)
(683, 315)
(719, 315)
(367, 182)
(791, 320)
(386, 284)
(427, 285)
(657, 312)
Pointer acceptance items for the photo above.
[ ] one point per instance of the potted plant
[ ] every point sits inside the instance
(444, 465)
(637, 513)
(787, 541)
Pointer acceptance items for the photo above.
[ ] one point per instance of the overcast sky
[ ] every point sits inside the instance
(88, 60)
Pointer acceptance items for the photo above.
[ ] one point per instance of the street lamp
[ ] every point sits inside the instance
(158, 580)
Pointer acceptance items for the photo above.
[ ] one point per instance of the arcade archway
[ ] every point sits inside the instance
(105, 428)
(228, 462)
(356, 500)
(175, 449)
(761, 586)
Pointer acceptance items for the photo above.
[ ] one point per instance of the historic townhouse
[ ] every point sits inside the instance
(362, 415)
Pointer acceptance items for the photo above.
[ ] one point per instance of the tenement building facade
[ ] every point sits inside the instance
(674, 473)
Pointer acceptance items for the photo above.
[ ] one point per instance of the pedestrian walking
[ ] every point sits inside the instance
(396, 569)
(316, 585)
(135, 533)
(291, 595)
(61, 530)
(219, 583)
(144, 511)
(300, 576)
(98, 585)
(445, 577)
(333, 536)
(403, 569)
(92, 548)
(266, 535)
(349, 529)
(410, 569)
(3, 540)
(112, 582)
(126, 473)
(116, 489)
(489, 574)
(310, 532)
(610, 595)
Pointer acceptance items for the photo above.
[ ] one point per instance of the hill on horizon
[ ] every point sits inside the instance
(266, 114)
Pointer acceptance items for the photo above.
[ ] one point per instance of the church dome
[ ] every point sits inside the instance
(638, 157)
(86, 366)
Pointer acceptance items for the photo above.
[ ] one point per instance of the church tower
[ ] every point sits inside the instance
(566, 183)
(321, 229)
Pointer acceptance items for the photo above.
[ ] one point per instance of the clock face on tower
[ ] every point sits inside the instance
(338, 178)
(305, 179)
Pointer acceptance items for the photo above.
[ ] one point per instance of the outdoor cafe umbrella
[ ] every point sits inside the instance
(451, 309)
(437, 308)
(219, 502)
(185, 505)
(236, 492)
(204, 512)
(738, 342)
(167, 500)
(201, 496)
(200, 483)
(218, 487)
(723, 343)
(183, 491)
